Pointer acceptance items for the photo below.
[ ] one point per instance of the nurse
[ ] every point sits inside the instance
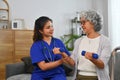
(48, 53)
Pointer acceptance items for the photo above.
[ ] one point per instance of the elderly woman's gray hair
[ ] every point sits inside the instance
(93, 17)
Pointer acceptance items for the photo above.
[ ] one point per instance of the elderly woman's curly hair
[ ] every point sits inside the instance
(93, 17)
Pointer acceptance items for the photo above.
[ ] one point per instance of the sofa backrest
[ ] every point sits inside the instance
(28, 64)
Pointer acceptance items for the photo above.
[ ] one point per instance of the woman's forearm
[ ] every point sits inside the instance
(50, 65)
(99, 63)
(67, 59)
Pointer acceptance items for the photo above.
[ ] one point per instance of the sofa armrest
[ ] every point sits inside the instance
(14, 69)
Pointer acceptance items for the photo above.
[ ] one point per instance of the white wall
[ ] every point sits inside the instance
(61, 11)
(84, 5)
(102, 7)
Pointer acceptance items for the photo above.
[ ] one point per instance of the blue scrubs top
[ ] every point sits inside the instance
(41, 51)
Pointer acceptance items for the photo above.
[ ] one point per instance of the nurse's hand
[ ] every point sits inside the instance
(56, 51)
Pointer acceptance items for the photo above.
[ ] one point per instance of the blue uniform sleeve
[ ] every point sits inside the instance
(66, 51)
(62, 46)
(36, 53)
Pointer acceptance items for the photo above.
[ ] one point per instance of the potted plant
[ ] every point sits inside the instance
(69, 41)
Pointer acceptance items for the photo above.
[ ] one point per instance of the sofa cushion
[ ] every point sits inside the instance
(14, 69)
(20, 77)
(28, 64)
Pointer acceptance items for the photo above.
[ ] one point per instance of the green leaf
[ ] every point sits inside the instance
(72, 37)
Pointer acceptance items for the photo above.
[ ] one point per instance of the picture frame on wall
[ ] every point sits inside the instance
(18, 24)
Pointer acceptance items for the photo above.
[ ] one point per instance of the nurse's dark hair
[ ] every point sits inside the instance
(39, 25)
(94, 17)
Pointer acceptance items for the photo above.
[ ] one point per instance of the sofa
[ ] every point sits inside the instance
(22, 70)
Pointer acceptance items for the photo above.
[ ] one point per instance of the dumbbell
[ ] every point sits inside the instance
(94, 55)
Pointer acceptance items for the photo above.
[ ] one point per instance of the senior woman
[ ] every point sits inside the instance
(88, 67)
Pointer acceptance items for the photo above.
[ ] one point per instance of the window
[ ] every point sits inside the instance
(114, 22)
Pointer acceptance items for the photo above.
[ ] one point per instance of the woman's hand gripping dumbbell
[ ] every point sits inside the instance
(94, 55)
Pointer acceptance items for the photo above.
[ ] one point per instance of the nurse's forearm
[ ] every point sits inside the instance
(46, 66)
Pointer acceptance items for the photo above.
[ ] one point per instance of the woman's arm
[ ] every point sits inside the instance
(66, 58)
(98, 62)
(50, 65)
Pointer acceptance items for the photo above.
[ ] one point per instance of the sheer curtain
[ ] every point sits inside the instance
(114, 22)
